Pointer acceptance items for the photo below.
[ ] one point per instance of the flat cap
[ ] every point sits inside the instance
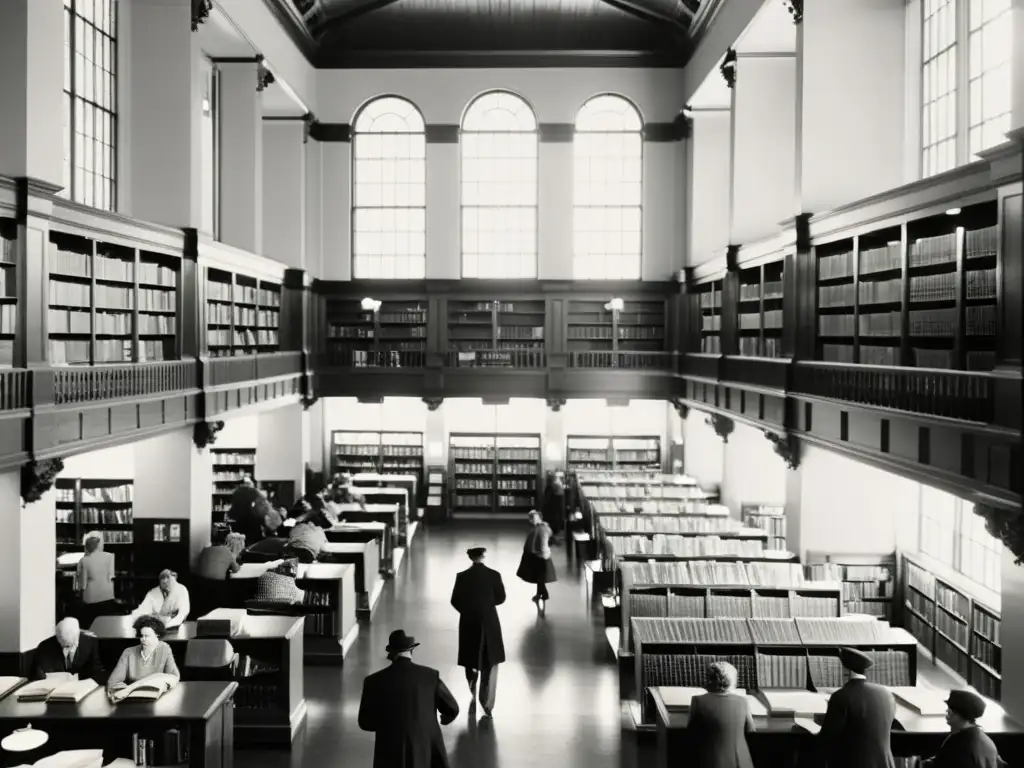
(476, 551)
(855, 661)
(966, 703)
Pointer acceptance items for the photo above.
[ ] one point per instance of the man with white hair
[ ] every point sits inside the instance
(69, 650)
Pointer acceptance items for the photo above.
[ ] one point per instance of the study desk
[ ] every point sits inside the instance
(779, 743)
(368, 583)
(363, 532)
(405, 500)
(388, 513)
(372, 480)
(203, 711)
(271, 705)
(330, 606)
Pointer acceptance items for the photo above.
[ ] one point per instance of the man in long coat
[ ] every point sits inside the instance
(400, 704)
(855, 732)
(477, 594)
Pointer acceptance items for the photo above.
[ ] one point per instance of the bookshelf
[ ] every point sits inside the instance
(954, 628)
(436, 503)
(243, 314)
(759, 310)
(592, 328)
(920, 294)
(110, 303)
(868, 581)
(610, 453)
(486, 334)
(8, 291)
(709, 297)
(394, 453)
(770, 518)
(230, 465)
(395, 336)
(494, 473)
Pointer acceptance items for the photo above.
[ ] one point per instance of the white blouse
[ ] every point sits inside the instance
(172, 608)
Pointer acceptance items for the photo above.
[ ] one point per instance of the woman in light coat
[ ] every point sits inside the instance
(536, 567)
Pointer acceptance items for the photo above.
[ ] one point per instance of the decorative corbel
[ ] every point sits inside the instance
(308, 401)
(556, 403)
(308, 121)
(796, 9)
(37, 477)
(205, 433)
(1005, 525)
(433, 403)
(786, 445)
(728, 67)
(722, 425)
(264, 76)
(681, 408)
(200, 12)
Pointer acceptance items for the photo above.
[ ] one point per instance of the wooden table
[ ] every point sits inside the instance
(363, 532)
(388, 513)
(405, 500)
(271, 706)
(203, 711)
(777, 743)
(411, 483)
(363, 556)
(330, 607)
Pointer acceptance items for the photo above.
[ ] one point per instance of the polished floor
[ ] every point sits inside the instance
(558, 696)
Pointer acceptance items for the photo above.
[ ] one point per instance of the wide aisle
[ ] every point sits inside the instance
(558, 698)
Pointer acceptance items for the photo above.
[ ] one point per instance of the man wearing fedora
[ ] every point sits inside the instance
(855, 733)
(967, 746)
(477, 594)
(400, 705)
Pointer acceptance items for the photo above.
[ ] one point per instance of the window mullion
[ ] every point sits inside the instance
(963, 82)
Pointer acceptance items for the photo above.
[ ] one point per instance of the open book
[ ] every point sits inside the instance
(8, 684)
(149, 688)
(59, 687)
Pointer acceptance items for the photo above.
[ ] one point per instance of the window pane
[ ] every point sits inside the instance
(938, 524)
(981, 560)
(938, 110)
(991, 46)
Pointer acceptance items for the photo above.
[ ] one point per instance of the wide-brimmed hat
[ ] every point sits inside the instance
(398, 642)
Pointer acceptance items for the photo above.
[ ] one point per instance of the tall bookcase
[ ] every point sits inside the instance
(954, 628)
(243, 314)
(709, 297)
(494, 473)
(395, 336)
(760, 311)
(488, 334)
(584, 452)
(230, 465)
(590, 327)
(770, 518)
(394, 453)
(8, 291)
(110, 303)
(868, 581)
(920, 294)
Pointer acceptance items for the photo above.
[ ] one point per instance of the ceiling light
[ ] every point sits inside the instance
(615, 305)
(206, 106)
(370, 305)
(953, 212)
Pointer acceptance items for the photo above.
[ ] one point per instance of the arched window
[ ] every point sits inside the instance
(389, 172)
(608, 189)
(499, 188)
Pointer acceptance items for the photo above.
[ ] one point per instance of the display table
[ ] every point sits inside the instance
(363, 532)
(330, 606)
(779, 743)
(363, 556)
(203, 711)
(271, 705)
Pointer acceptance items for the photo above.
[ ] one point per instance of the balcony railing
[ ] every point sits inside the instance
(384, 356)
(953, 394)
(115, 382)
(496, 358)
(220, 371)
(621, 360)
(14, 389)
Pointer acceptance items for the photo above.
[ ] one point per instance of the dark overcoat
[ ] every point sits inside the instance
(855, 733)
(400, 704)
(969, 747)
(478, 592)
(49, 657)
(535, 566)
(717, 731)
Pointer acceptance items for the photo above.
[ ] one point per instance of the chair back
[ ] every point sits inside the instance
(209, 659)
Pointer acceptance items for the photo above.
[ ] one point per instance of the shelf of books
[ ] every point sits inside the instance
(769, 653)
(8, 291)
(760, 311)
(770, 518)
(493, 474)
(110, 303)
(953, 627)
(230, 467)
(709, 297)
(922, 294)
(386, 453)
(593, 330)
(496, 333)
(869, 581)
(243, 314)
(611, 453)
(395, 336)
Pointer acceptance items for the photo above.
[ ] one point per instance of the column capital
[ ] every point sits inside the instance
(264, 76)
(200, 12)
(728, 67)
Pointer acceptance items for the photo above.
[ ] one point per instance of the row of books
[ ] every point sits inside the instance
(952, 601)
(781, 671)
(408, 317)
(636, 457)
(523, 332)
(242, 294)
(64, 262)
(517, 485)
(889, 668)
(229, 477)
(768, 575)
(8, 253)
(691, 670)
(933, 322)
(104, 267)
(889, 256)
(464, 484)
(952, 628)
(519, 500)
(246, 458)
(711, 323)
(711, 345)
(837, 353)
(94, 516)
(881, 292)
(486, 453)
(686, 546)
(635, 524)
(836, 325)
(751, 346)
(481, 500)
(981, 320)
(711, 299)
(770, 318)
(343, 331)
(835, 266)
(881, 324)
(933, 287)
(241, 338)
(920, 604)
(830, 296)
(79, 295)
(938, 249)
(66, 352)
(227, 314)
(981, 243)
(875, 608)
(848, 572)
(981, 283)
(751, 292)
(153, 300)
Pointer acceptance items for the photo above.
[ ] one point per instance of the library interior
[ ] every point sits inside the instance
(303, 301)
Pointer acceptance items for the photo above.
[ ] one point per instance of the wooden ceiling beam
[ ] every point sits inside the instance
(356, 12)
(645, 12)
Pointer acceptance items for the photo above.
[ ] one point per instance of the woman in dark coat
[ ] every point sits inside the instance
(536, 567)
(553, 508)
(719, 723)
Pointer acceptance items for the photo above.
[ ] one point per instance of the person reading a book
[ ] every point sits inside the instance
(858, 722)
(720, 721)
(306, 541)
(152, 656)
(169, 601)
(277, 585)
(220, 559)
(967, 746)
(69, 650)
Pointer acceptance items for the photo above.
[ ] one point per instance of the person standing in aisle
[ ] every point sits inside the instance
(855, 733)
(400, 704)
(720, 721)
(476, 596)
(536, 567)
(94, 579)
(553, 507)
(967, 746)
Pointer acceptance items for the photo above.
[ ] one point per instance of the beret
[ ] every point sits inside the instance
(967, 704)
(854, 660)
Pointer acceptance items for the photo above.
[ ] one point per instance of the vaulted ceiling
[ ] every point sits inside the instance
(451, 33)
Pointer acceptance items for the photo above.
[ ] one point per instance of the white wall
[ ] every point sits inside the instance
(282, 449)
(284, 192)
(117, 463)
(703, 451)
(239, 432)
(1012, 636)
(751, 470)
(710, 156)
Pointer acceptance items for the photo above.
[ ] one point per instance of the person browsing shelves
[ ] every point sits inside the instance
(169, 601)
(69, 650)
(967, 746)
(720, 721)
(95, 580)
(152, 656)
(858, 722)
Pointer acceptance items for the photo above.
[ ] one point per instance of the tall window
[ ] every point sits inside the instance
(607, 190)
(955, 536)
(90, 102)
(990, 43)
(938, 525)
(499, 188)
(981, 553)
(938, 80)
(389, 214)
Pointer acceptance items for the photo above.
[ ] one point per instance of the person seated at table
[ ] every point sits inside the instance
(69, 650)
(306, 541)
(220, 559)
(719, 722)
(152, 656)
(169, 601)
(858, 721)
(277, 585)
(320, 512)
(343, 491)
(967, 746)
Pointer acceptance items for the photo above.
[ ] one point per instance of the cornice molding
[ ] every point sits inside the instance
(433, 403)
(728, 68)
(37, 477)
(264, 77)
(200, 12)
(204, 433)
(786, 446)
(678, 129)
(722, 425)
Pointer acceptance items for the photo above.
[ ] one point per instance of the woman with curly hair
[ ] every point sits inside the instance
(719, 722)
(151, 656)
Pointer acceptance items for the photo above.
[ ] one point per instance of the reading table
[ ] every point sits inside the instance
(363, 533)
(363, 556)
